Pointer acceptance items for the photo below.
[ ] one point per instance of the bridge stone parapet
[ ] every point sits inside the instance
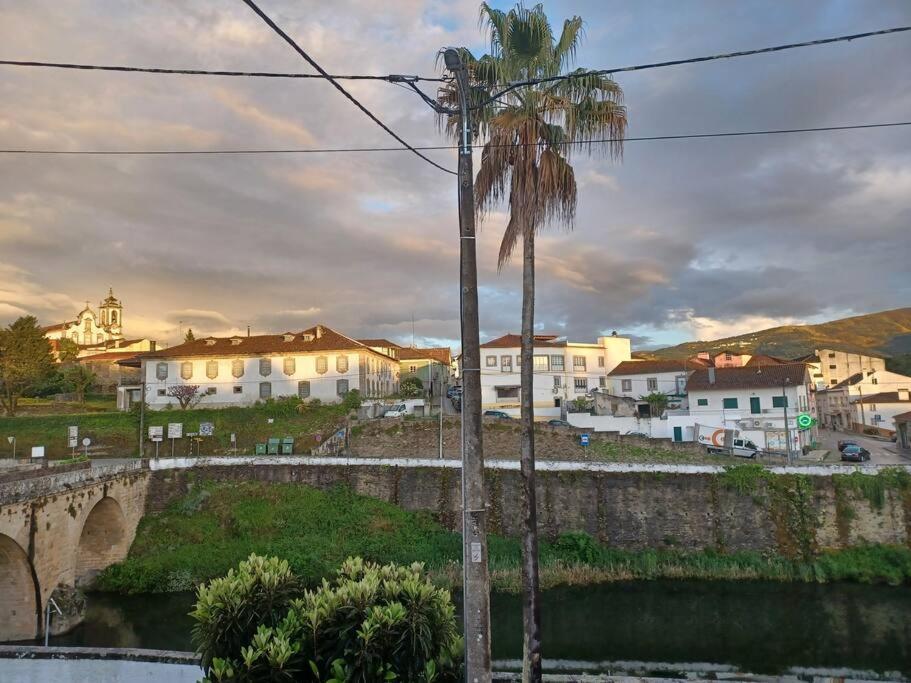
(62, 529)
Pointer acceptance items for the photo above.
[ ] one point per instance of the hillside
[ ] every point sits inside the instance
(886, 333)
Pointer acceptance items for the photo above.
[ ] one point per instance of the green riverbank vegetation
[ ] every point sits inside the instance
(215, 526)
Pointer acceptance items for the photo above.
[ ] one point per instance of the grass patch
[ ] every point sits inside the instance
(613, 451)
(216, 526)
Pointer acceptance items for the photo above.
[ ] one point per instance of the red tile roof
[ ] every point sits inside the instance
(903, 417)
(385, 343)
(441, 355)
(508, 341)
(773, 376)
(639, 367)
(110, 356)
(883, 397)
(762, 361)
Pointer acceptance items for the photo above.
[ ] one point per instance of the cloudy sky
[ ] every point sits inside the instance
(683, 239)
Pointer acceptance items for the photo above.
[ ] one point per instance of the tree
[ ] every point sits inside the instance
(67, 351)
(186, 394)
(369, 624)
(80, 379)
(530, 134)
(657, 403)
(25, 360)
(189, 336)
(411, 387)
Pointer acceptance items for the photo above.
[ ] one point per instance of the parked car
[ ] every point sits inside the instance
(453, 391)
(497, 413)
(854, 453)
(398, 410)
(642, 434)
(842, 444)
(558, 423)
(742, 448)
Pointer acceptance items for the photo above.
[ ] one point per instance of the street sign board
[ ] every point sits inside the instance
(233, 437)
(37, 451)
(86, 442)
(583, 439)
(206, 428)
(805, 421)
(72, 432)
(156, 432)
(175, 430)
(73, 442)
(157, 439)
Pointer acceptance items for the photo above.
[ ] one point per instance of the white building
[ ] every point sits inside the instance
(638, 378)
(318, 363)
(878, 411)
(835, 403)
(90, 328)
(754, 401)
(837, 366)
(563, 371)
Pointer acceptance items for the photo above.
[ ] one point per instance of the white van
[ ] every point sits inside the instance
(744, 448)
(398, 410)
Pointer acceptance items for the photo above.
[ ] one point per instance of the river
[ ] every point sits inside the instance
(758, 627)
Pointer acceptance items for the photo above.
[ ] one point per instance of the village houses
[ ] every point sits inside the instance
(846, 405)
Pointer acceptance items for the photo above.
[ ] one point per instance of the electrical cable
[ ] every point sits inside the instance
(348, 150)
(297, 48)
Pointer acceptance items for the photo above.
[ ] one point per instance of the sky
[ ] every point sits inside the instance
(690, 239)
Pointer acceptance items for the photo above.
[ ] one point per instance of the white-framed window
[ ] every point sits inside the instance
(303, 389)
(265, 367)
(651, 384)
(341, 387)
(212, 369)
(580, 384)
(341, 363)
(322, 365)
(578, 363)
(541, 364)
(238, 389)
(602, 382)
(237, 368)
(211, 391)
(505, 363)
(626, 385)
(162, 392)
(600, 361)
(265, 389)
(490, 361)
(186, 370)
(557, 382)
(556, 363)
(161, 371)
(518, 361)
(289, 366)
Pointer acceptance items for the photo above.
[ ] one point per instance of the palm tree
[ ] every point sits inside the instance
(530, 134)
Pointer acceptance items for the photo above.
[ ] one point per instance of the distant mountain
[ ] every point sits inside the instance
(887, 333)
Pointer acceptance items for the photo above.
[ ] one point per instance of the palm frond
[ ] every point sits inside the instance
(570, 37)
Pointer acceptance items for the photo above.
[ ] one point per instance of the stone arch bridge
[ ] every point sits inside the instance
(61, 529)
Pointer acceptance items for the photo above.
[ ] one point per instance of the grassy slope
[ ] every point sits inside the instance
(116, 433)
(886, 332)
(217, 525)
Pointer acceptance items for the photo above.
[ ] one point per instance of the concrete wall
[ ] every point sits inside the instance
(61, 529)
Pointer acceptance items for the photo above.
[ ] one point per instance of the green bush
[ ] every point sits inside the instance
(371, 623)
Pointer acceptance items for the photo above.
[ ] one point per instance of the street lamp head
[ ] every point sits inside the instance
(452, 59)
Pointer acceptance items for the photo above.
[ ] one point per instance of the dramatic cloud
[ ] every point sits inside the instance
(682, 239)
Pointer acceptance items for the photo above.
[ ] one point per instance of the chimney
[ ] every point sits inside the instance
(903, 395)
(319, 331)
(248, 330)
(711, 375)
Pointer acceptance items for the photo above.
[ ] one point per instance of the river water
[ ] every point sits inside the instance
(758, 627)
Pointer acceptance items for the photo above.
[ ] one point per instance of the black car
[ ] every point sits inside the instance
(843, 444)
(558, 423)
(497, 413)
(854, 453)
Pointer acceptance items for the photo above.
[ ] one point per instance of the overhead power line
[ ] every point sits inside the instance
(391, 78)
(691, 60)
(427, 148)
(297, 48)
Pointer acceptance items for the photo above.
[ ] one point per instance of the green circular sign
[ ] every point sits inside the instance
(804, 421)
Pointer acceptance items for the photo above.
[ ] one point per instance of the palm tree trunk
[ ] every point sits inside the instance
(531, 612)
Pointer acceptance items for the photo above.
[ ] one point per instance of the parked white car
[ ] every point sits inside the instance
(742, 448)
(398, 410)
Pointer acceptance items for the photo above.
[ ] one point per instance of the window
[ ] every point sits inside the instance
(87, 327)
(556, 363)
(237, 368)
(265, 389)
(303, 389)
(579, 363)
(779, 401)
(874, 381)
(412, 368)
(265, 367)
(833, 381)
(99, 338)
(507, 393)
(541, 364)
(289, 366)
(162, 392)
(556, 381)
(505, 363)
(341, 363)
(702, 401)
(212, 369)
(186, 370)
(211, 391)
(833, 367)
(831, 355)
(602, 382)
(600, 361)
(728, 356)
(322, 365)
(729, 403)
(114, 317)
(238, 389)
(580, 384)
(341, 387)
(518, 361)
(626, 385)
(651, 384)
(161, 371)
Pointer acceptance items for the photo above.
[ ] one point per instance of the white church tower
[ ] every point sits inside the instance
(111, 310)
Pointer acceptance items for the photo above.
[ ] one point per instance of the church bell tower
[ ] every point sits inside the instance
(112, 314)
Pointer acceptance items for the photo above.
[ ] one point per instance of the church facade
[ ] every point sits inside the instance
(91, 328)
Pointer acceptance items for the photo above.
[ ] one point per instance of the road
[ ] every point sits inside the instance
(881, 452)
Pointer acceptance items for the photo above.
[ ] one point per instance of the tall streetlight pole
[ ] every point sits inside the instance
(476, 578)
(787, 431)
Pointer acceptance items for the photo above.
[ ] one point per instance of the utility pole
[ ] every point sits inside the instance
(476, 578)
(787, 432)
(863, 413)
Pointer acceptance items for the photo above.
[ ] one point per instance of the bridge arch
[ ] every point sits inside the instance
(104, 540)
(18, 593)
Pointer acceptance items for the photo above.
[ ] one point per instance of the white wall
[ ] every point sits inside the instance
(638, 383)
(886, 410)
